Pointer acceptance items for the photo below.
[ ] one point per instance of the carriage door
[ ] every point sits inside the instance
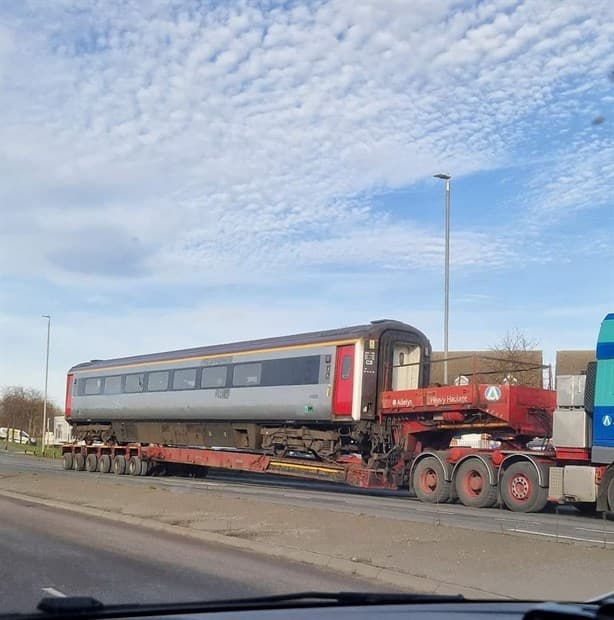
(405, 367)
(344, 380)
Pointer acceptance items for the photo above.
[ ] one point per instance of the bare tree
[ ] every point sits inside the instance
(517, 360)
(22, 408)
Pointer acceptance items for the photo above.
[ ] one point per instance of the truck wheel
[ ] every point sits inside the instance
(104, 464)
(119, 465)
(78, 462)
(91, 463)
(473, 485)
(429, 482)
(67, 460)
(520, 488)
(134, 466)
(611, 494)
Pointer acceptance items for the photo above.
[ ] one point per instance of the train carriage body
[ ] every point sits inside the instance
(245, 394)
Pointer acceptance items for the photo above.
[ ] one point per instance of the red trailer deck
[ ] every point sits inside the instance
(422, 422)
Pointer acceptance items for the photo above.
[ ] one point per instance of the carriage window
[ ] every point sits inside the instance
(134, 383)
(92, 386)
(247, 374)
(291, 371)
(113, 385)
(157, 381)
(214, 377)
(184, 379)
(346, 366)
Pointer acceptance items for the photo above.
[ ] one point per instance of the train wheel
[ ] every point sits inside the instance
(429, 482)
(520, 489)
(91, 463)
(104, 464)
(78, 462)
(119, 465)
(134, 466)
(473, 485)
(67, 460)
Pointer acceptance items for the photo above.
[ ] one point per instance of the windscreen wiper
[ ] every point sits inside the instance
(593, 610)
(87, 608)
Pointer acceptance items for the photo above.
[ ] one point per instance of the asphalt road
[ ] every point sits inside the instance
(49, 552)
(564, 524)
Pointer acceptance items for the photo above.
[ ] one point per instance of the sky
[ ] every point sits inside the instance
(182, 173)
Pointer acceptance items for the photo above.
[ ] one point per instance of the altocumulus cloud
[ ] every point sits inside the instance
(243, 134)
(210, 171)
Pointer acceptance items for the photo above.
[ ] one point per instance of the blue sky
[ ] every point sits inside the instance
(185, 173)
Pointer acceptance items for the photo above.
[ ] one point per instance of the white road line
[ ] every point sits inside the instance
(515, 520)
(54, 592)
(587, 529)
(607, 542)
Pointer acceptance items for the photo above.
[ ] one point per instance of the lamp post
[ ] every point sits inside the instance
(446, 312)
(48, 317)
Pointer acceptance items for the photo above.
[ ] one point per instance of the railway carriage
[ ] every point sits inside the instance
(315, 392)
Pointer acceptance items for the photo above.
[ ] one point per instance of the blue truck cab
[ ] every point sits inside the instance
(603, 407)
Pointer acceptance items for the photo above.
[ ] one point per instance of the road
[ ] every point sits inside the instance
(54, 552)
(566, 524)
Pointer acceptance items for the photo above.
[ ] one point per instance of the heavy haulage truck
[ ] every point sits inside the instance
(352, 405)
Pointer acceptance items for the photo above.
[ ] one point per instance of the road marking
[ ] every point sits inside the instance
(515, 520)
(586, 529)
(602, 542)
(54, 592)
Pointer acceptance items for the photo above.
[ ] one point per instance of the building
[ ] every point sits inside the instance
(524, 367)
(573, 362)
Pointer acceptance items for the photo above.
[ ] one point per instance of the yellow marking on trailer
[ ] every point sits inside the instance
(327, 470)
(213, 356)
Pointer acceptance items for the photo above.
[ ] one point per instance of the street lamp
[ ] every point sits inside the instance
(446, 312)
(48, 317)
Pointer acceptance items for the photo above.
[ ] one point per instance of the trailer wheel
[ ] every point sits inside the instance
(104, 464)
(145, 467)
(78, 462)
(430, 484)
(67, 460)
(134, 466)
(520, 488)
(473, 485)
(119, 465)
(91, 463)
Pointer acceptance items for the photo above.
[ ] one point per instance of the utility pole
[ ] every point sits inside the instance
(48, 317)
(446, 312)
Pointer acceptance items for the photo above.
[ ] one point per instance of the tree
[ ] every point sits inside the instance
(517, 360)
(22, 408)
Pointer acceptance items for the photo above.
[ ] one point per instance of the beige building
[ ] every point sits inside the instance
(573, 362)
(490, 366)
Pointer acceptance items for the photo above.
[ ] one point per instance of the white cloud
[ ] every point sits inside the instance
(159, 146)
(237, 129)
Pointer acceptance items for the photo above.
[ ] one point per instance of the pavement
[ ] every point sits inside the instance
(51, 552)
(379, 536)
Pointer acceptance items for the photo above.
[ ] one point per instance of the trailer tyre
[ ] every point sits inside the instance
(67, 460)
(104, 464)
(119, 465)
(520, 488)
(473, 486)
(429, 482)
(145, 467)
(134, 466)
(91, 463)
(78, 462)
